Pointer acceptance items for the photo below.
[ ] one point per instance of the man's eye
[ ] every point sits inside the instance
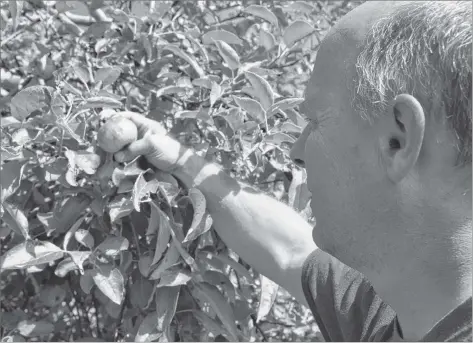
(313, 124)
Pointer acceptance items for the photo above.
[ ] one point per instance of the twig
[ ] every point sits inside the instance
(279, 323)
(253, 318)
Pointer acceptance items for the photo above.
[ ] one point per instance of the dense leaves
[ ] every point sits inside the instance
(96, 250)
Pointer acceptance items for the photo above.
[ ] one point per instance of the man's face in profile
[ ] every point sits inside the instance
(343, 173)
(363, 218)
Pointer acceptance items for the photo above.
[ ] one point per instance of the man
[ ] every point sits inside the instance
(388, 157)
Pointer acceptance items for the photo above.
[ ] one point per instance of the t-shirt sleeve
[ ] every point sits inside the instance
(343, 302)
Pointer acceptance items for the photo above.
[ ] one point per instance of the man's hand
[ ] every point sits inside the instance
(154, 143)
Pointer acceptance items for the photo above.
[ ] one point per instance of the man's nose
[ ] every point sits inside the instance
(298, 149)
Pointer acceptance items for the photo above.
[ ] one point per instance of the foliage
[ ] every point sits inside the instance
(94, 249)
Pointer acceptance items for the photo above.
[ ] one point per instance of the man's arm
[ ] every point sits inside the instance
(267, 234)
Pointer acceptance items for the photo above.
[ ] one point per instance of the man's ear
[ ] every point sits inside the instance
(403, 135)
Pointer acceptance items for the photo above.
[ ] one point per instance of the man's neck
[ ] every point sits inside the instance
(419, 311)
(421, 298)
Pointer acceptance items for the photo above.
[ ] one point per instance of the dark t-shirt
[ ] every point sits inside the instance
(346, 307)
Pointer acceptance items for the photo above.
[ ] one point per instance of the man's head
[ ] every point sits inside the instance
(388, 146)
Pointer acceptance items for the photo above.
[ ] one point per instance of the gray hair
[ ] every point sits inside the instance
(424, 50)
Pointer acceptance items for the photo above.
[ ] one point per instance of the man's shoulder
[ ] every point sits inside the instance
(454, 327)
(344, 303)
(346, 307)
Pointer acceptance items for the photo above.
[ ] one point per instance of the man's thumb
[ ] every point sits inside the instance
(139, 147)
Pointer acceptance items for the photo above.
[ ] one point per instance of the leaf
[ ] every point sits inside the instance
(278, 138)
(203, 82)
(174, 276)
(31, 99)
(164, 234)
(65, 266)
(199, 206)
(101, 46)
(79, 257)
(202, 228)
(234, 264)
(295, 117)
(97, 29)
(126, 259)
(119, 16)
(15, 10)
(112, 245)
(219, 279)
(140, 292)
(19, 256)
(171, 90)
(153, 222)
(177, 238)
(83, 160)
(22, 136)
(65, 213)
(101, 101)
(16, 219)
(242, 310)
(110, 281)
(107, 75)
(144, 265)
(119, 208)
(171, 257)
(301, 6)
(215, 93)
(222, 308)
(130, 169)
(284, 105)
(10, 121)
(31, 328)
(12, 173)
(85, 238)
(269, 291)
(81, 72)
(64, 6)
(252, 107)
(143, 188)
(154, 324)
(263, 13)
(210, 324)
(86, 281)
(262, 89)
(296, 31)
(228, 54)
(197, 44)
(290, 127)
(298, 193)
(189, 59)
(266, 39)
(201, 114)
(159, 9)
(72, 231)
(223, 35)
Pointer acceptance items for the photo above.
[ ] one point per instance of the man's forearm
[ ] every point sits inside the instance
(267, 234)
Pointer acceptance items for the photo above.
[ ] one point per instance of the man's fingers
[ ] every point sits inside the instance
(138, 119)
(139, 147)
(143, 123)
